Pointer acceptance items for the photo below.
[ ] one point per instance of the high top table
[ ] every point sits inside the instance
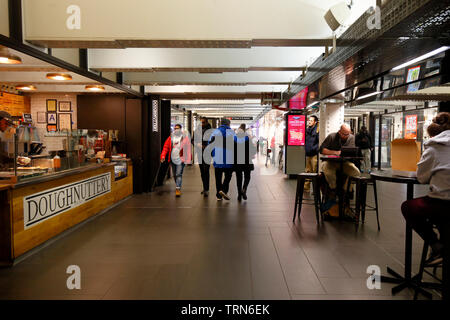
(405, 281)
(340, 178)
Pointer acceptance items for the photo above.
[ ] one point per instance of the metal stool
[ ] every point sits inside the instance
(301, 178)
(361, 195)
(422, 267)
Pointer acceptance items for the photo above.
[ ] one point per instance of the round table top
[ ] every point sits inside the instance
(339, 159)
(387, 175)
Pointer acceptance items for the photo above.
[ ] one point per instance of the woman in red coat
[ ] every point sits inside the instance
(178, 149)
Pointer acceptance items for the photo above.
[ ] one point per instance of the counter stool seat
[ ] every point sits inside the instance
(301, 179)
(361, 196)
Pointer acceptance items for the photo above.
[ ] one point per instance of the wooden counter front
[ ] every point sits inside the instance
(24, 239)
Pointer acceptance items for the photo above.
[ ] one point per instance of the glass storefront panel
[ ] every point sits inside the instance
(410, 124)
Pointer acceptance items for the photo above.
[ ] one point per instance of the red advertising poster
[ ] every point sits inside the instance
(411, 127)
(296, 130)
(298, 101)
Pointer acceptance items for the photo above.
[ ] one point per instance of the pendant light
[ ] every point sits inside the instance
(26, 87)
(6, 57)
(59, 76)
(95, 88)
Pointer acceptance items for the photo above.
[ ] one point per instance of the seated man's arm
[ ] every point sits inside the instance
(325, 145)
(329, 152)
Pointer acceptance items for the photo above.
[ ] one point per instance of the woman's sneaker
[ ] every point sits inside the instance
(224, 195)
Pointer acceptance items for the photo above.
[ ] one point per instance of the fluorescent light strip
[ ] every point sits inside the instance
(369, 95)
(425, 56)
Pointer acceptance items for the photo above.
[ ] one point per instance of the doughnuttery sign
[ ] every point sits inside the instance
(44, 205)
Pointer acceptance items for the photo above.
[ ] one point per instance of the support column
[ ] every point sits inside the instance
(165, 133)
(331, 119)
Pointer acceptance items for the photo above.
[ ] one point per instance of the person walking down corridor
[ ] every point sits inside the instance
(203, 134)
(433, 169)
(223, 148)
(244, 152)
(363, 141)
(178, 149)
(311, 148)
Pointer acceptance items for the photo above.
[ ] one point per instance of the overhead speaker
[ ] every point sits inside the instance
(337, 15)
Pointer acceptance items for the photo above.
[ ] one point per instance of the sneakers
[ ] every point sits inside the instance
(219, 197)
(177, 192)
(224, 195)
(435, 259)
(244, 194)
(205, 193)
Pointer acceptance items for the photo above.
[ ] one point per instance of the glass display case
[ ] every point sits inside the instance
(24, 155)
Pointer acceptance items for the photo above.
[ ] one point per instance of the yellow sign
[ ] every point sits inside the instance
(14, 104)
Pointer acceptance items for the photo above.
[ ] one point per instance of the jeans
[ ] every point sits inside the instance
(423, 212)
(330, 168)
(177, 170)
(311, 166)
(225, 185)
(239, 173)
(365, 162)
(204, 171)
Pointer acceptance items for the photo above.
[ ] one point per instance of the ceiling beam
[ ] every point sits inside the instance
(209, 95)
(208, 70)
(234, 84)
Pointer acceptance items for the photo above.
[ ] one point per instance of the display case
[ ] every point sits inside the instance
(24, 154)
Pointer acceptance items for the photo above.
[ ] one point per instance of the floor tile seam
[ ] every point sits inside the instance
(279, 262)
(252, 291)
(291, 226)
(386, 252)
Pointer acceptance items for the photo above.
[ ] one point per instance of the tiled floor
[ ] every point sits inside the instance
(156, 246)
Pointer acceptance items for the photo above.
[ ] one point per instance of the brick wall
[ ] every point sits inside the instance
(39, 104)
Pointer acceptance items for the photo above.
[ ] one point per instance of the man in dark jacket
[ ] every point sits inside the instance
(203, 134)
(311, 147)
(222, 141)
(363, 141)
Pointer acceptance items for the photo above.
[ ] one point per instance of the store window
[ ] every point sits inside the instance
(411, 124)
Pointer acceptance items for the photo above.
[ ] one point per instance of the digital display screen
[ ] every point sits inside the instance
(411, 127)
(296, 130)
(413, 75)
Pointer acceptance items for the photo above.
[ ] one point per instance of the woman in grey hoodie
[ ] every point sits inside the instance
(433, 169)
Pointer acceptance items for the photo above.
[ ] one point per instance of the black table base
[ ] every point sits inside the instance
(412, 283)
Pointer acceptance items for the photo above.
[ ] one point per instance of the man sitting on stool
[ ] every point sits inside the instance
(332, 145)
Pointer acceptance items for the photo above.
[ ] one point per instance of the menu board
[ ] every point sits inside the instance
(411, 127)
(299, 100)
(296, 130)
(413, 75)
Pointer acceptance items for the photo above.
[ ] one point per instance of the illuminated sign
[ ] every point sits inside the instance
(296, 130)
(299, 100)
(413, 75)
(411, 127)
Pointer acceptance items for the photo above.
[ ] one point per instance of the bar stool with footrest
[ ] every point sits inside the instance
(361, 206)
(301, 179)
(423, 265)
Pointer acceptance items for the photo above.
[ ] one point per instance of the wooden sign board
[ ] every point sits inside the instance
(14, 104)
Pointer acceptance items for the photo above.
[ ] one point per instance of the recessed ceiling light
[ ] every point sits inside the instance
(59, 76)
(95, 88)
(7, 57)
(26, 87)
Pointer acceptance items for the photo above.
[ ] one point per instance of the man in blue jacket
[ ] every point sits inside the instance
(222, 144)
(311, 147)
